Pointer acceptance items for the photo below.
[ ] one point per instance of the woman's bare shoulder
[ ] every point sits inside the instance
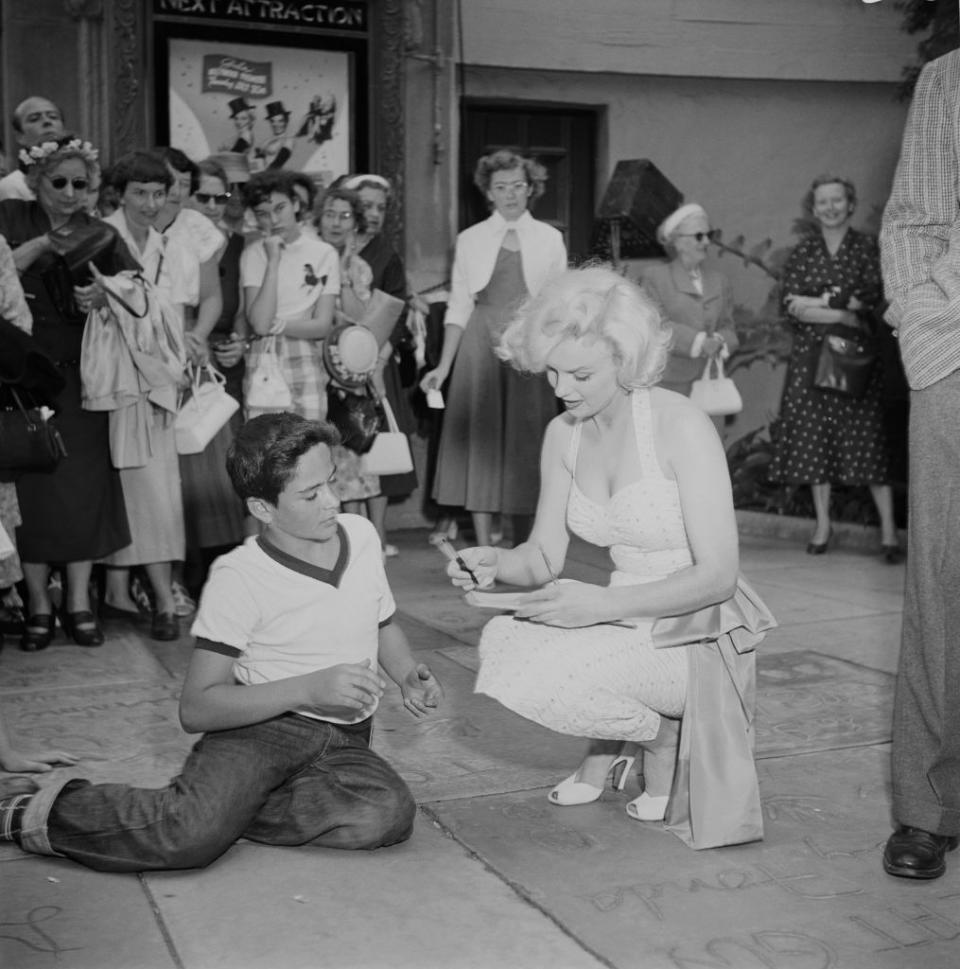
(674, 413)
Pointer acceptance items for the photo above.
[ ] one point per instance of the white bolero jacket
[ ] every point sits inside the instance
(541, 247)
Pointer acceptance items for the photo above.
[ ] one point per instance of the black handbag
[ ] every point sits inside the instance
(28, 440)
(846, 361)
(357, 416)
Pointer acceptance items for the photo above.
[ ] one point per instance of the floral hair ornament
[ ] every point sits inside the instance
(39, 153)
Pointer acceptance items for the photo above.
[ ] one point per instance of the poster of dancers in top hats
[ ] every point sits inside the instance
(264, 107)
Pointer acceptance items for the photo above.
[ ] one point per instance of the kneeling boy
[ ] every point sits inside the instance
(283, 683)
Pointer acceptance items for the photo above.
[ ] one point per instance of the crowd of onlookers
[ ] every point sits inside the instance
(260, 273)
(238, 268)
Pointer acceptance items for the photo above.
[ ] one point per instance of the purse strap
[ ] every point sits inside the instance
(23, 410)
(714, 360)
(110, 294)
(392, 424)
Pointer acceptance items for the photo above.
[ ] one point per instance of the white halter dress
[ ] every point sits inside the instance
(604, 681)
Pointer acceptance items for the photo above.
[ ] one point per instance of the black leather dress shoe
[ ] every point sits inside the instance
(914, 853)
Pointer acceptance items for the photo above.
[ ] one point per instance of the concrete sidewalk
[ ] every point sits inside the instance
(494, 876)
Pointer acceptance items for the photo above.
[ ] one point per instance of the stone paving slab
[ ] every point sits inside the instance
(806, 701)
(56, 915)
(121, 660)
(872, 641)
(794, 604)
(426, 904)
(472, 746)
(811, 896)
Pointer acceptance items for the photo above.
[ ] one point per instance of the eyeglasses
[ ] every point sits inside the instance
(60, 182)
(204, 197)
(512, 187)
(337, 216)
(710, 235)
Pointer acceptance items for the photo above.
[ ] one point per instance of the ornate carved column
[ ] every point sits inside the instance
(124, 85)
(91, 68)
(387, 102)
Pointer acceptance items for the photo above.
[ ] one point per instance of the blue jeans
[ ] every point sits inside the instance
(287, 781)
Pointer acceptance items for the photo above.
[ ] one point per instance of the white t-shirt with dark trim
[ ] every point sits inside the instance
(278, 616)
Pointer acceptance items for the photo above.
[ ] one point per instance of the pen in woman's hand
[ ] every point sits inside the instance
(454, 556)
(553, 575)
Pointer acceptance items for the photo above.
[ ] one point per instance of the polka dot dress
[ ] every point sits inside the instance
(826, 437)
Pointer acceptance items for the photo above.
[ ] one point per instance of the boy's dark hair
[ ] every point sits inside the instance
(138, 166)
(262, 185)
(179, 162)
(308, 185)
(264, 454)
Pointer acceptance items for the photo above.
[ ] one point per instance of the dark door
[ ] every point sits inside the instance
(562, 140)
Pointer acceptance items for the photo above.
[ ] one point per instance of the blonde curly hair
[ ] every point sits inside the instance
(591, 303)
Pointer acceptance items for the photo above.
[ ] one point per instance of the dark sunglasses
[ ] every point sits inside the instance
(204, 197)
(710, 235)
(59, 182)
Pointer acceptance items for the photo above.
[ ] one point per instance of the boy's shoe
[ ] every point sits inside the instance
(183, 604)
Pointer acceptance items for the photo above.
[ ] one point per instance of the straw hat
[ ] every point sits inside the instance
(350, 355)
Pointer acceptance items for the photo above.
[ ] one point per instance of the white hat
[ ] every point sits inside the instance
(675, 218)
(350, 355)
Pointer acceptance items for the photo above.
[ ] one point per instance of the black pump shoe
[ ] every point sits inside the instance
(38, 632)
(82, 628)
(893, 554)
(818, 548)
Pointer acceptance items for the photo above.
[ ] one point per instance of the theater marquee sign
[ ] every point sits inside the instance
(342, 16)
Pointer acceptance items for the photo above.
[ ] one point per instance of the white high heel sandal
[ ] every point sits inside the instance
(647, 808)
(571, 791)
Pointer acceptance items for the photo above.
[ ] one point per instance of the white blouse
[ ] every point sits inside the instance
(542, 251)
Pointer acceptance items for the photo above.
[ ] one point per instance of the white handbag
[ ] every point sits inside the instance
(390, 453)
(715, 393)
(266, 388)
(204, 412)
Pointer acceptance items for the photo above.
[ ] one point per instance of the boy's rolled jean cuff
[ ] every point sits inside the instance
(33, 827)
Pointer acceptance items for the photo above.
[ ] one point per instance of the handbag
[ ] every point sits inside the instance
(28, 440)
(716, 394)
(379, 314)
(266, 387)
(204, 411)
(357, 416)
(846, 360)
(390, 452)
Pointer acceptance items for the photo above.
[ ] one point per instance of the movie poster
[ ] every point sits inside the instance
(272, 107)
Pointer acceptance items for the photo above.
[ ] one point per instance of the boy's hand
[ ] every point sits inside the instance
(17, 762)
(344, 690)
(421, 691)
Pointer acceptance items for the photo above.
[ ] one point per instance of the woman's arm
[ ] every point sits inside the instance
(28, 252)
(459, 308)
(525, 565)
(315, 326)
(689, 448)
(433, 379)
(260, 302)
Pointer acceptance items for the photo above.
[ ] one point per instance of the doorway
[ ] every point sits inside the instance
(563, 140)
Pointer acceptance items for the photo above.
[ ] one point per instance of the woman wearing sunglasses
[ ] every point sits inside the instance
(76, 513)
(697, 302)
(228, 337)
